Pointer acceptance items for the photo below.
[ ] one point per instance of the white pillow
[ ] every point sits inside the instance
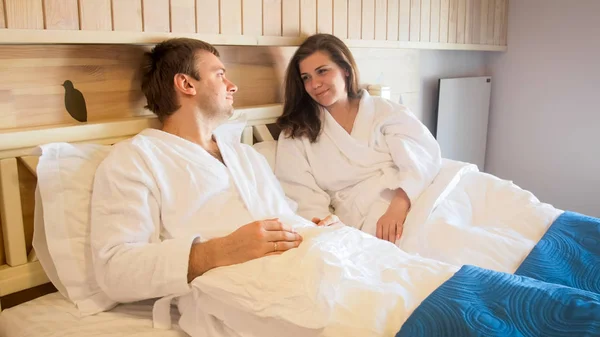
(65, 179)
(269, 150)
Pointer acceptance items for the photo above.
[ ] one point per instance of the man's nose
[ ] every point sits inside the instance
(231, 87)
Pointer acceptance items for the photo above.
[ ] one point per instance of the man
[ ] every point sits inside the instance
(169, 205)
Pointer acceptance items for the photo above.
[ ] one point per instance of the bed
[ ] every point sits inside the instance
(458, 184)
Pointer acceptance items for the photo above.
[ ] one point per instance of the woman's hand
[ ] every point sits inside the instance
(391, 224)
(329, 220)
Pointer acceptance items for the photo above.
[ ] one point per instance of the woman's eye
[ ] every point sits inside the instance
(322, 71)
(304, 78)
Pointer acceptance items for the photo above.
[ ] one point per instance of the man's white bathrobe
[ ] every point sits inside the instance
(161, 189)
(357, 173)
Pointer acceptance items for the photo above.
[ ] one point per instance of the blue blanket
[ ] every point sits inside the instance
(568, 254)
(555, 291)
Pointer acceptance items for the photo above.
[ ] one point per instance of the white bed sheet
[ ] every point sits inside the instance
(52, 316)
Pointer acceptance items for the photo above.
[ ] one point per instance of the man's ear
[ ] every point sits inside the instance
(184, 84)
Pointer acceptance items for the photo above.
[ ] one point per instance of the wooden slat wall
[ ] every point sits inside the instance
(61, 14)
(354, 19)
(308, 17)
(252, 13)
(127, 15)
(183, 17)
(271, 17)
(436, 21)
(2, 22)
(368, 20)
(325, 16)
(24, 14)
(404, 32)
(95, 14)
(340, 18)
(155, 15)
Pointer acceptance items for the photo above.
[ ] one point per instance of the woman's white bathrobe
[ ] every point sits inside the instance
(356, 174)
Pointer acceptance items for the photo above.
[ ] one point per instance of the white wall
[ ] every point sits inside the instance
(544, 127)
(437, 64)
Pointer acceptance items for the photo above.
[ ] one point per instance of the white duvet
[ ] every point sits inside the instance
(344, 282)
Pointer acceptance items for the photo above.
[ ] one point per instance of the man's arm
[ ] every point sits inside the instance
(251, 241)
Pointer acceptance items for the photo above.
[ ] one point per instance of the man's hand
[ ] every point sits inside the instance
(251, 241)
(391, 224)
(329, 220)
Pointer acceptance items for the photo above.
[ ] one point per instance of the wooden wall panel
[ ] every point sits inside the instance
(252, 17)
(435, 21)
(444, 20)
(469, 22)
(490, 21)
(354, 19)
(404, 20)
(504, 33)
(368, 20)
(290, 17)
(127, 15)
(415, 20)
(476, 21)
(231, 17)
(61, 14)
(453, 21)
(393, 11)
(155, 15)
(308, 17)
(340, 18)
(425, 34)
(325, 16)
(483, 15)
(499, 20)
(2, 25)
(460, 21)
(107, 77)
(183, 16)
(381, 19)
(271, 17)
(95, 14)
(24, 14)
(207, 17)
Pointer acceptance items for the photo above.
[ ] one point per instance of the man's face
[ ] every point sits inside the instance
(214, 93)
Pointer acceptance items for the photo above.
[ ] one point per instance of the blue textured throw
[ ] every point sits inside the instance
(555, 291)
(568, 254)
(481, 302)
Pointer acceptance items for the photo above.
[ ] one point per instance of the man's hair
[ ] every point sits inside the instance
(161, 64)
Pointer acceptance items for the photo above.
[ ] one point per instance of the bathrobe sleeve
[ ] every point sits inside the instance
(414, 150)
(298, 182)
(131, 263)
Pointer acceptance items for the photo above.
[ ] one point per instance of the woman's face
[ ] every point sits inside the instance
(323, 79)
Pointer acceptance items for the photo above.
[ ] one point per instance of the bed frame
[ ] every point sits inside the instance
(22, 269)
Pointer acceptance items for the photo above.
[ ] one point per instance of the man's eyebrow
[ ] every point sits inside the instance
(220, 68)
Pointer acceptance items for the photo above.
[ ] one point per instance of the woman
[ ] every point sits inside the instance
(341, 151)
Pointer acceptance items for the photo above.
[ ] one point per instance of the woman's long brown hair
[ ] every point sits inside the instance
(300, 116)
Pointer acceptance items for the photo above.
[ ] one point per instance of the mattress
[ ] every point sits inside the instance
(52, 315)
